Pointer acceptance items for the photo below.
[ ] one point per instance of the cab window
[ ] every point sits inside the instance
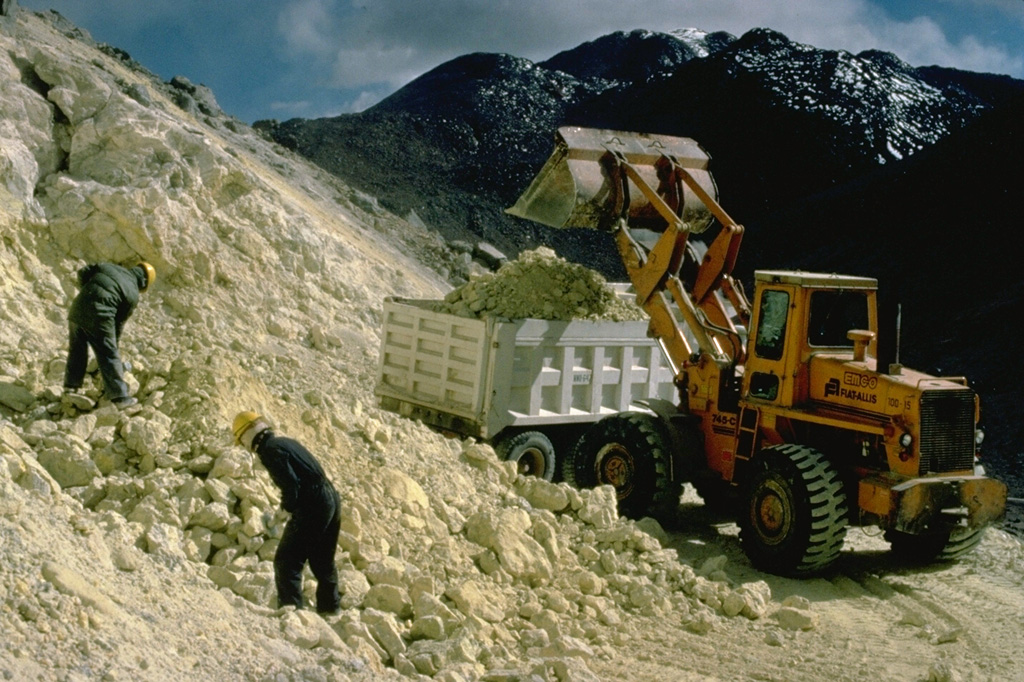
(771, 326)
(833, 314)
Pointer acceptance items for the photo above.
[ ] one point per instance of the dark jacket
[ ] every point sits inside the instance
(293, 469)
(108, 293)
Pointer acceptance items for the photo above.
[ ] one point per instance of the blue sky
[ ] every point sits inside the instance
(314, 58)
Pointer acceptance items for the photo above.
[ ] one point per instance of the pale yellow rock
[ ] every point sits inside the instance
(70, 582)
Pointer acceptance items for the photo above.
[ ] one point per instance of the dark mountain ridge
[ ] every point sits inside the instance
(869, 165)
(782, 121)
(635, 57)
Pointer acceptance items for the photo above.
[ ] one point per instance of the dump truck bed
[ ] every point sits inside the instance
(477, 377)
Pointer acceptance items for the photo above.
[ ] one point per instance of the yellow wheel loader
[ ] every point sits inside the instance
(786, 415)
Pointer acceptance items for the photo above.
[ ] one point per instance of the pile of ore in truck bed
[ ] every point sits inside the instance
(542, 285)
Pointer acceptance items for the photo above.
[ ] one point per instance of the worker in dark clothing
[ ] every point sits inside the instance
(107, 297)
(312, 532)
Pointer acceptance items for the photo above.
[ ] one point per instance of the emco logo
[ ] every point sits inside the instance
(859, 380)
(833, 388)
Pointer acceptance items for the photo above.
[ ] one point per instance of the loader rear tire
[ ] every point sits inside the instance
(795, 511)
(925, 549)
(532, 452)
(630, 452)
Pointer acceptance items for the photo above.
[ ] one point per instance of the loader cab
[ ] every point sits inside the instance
(797, 315)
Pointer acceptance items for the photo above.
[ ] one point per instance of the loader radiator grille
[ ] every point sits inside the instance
(947, 431)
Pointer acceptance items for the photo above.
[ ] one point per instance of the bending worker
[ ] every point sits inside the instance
(107, 298)
(312, 532)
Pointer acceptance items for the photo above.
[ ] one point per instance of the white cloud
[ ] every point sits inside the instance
(364, 42)
(975, 56)
(923, 42)
(307, 26)
(353, 68)
(364, 101)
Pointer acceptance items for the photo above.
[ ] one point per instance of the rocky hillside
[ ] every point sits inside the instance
(137, 545)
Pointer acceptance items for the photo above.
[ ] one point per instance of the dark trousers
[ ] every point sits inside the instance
(103, 341)
(310, 535)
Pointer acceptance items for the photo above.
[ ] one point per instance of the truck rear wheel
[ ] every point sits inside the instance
(923, 549)
(532, 452)
(795, 515)
(628, 451)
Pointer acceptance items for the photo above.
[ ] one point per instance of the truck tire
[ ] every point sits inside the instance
(628, 451)
(795, 511)
(532, 452)
(924, 549)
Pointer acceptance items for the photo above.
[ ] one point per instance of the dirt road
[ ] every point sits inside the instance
(870, 618)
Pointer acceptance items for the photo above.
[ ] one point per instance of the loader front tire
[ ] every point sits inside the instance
(795, 511)
(532, 452)
(940, 547)
(630, 452)
(936, 547)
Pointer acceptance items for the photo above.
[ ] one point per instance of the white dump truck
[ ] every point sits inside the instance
(530, 387)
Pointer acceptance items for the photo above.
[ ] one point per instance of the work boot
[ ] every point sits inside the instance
(330, 616)
(73, 397)
(127, 401)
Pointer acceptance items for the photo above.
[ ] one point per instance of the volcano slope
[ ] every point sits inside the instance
(138, 545)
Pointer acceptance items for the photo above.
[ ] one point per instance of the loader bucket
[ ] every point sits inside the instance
(576, 187)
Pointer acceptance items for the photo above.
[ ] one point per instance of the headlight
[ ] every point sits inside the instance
(906, 440)
(979, 436)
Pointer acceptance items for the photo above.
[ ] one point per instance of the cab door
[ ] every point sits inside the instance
(766, 378)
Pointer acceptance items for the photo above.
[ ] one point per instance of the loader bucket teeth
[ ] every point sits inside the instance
(576, 187)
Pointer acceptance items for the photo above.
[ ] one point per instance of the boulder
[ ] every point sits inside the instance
(600, 507)
(14, 396)
(473, 600)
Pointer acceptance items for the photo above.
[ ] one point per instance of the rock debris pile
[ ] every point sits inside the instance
(540, 284)
(474, 572)
(138, 544)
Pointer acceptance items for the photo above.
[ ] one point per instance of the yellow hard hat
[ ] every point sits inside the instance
(243, 421)
(150, 273)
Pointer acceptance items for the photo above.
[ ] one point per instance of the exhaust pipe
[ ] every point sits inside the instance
(889, 319)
